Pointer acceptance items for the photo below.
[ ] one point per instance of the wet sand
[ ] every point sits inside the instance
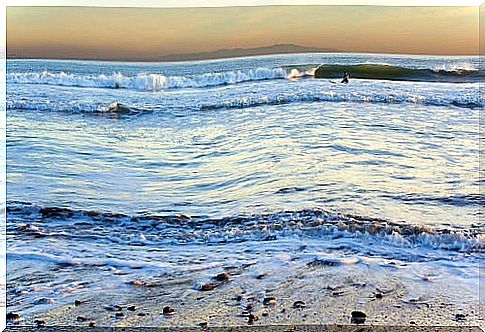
(317, 294)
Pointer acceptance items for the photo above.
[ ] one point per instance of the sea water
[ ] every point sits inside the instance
(123, 171)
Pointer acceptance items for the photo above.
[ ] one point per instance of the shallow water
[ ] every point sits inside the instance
(234, 162)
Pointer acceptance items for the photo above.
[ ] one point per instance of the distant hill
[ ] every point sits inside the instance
(218, 54)
(241, 52)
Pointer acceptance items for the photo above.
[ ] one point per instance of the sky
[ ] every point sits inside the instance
(148, 33)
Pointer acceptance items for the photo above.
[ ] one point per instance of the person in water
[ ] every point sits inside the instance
(346, 77)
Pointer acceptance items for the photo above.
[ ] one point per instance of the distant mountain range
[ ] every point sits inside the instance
(218, 54)
(242, 52)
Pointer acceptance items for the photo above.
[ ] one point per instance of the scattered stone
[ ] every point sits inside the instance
(460, 317)
(299, 304)
(83, 319)
(142, 283)
(77, 303)
(92, 324)
(224, 276)
(269, 300)
(13, 316)
(378, 296)
(283, 310)
(203, 324)
(264, 314)
(131, 308)
(208, 286)
(238, 298)
(249, 307)
(252, 318)
(245, 314)
(142, 314)
(358, 317)
(39, 322)
(136, 283)
(114, 308)
(261, 276)
(168, 310)
(120, 315)
(412, 322)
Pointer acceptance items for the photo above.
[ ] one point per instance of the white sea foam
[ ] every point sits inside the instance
(147, 81)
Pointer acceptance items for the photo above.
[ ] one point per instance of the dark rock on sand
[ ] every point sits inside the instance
(270, 300)
(168, 310)
(77, 303)
(11, 316)
(252, 318)
(208, 286)
(39, 322)
(83, 319)
(358, 317)
(142, 314)
(203, 324)
(378, 296)
(114, 308)
(261, 276)
(120, 315)
(131, 308)
(460, 317)
(92, 324)
(142, 283)
(264, 314)
(299, 304)
(224, 276)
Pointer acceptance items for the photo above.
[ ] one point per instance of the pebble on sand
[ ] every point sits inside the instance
(252, 318)
(39, 322)
(143, 283)
(83, 319)
(11, 316)
(224, 276)
(460, 317)
(358, 317)
(131, 308)
(77, 303)
(114, 308)
(269, 300)
(168, 310)
(208, 286)
(299, 304)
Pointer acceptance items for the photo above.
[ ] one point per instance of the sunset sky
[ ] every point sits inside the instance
(148, 33)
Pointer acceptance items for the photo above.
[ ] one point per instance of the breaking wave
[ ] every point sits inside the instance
(29, 220)
(373, 71)
(149, 81)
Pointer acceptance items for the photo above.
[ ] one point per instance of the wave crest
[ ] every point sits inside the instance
(179, 229)
(145, 81)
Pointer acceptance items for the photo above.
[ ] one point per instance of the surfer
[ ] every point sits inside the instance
(346, 77)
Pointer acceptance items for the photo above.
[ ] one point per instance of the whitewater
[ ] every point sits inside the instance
(267, 168)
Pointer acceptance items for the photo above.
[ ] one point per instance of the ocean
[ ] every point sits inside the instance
(137, 183)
